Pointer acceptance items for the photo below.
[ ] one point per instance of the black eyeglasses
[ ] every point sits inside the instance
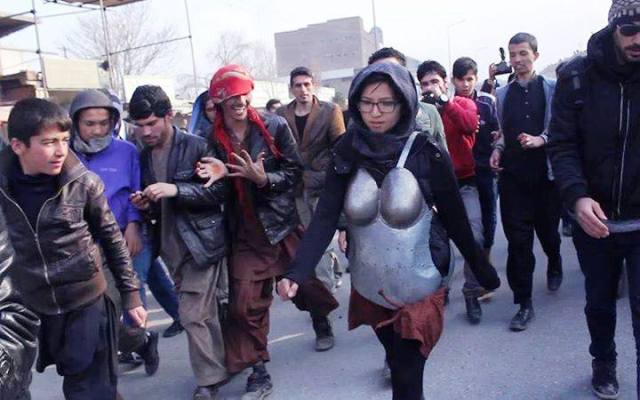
(629, 29)
(384, 106)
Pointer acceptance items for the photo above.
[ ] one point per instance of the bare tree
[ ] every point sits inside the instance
(131, 28)
(185, 88)
(232, 48)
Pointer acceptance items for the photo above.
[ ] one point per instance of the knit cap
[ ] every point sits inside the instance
(624, 11)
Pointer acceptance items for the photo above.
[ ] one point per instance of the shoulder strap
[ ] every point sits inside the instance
(407, 148)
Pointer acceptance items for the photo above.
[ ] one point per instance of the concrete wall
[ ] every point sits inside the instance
(335, 44)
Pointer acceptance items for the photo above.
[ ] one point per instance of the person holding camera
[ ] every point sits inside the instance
(529, 200)
(460, 119)
(465, 79)
(595, 156)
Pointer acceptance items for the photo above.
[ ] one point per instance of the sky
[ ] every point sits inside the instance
(419, 28)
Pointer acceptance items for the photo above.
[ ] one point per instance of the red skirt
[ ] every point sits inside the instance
(422, 321)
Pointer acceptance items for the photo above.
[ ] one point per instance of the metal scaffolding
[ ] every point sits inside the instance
(15, 22)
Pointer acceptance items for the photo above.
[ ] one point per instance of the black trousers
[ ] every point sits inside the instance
(81, 344)
(406, 364)
(601, 263)
(528, 207)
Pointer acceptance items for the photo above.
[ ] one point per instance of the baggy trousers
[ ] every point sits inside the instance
(198, 309)
(527, 208)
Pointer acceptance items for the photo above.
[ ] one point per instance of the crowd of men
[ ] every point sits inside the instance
(209, 219)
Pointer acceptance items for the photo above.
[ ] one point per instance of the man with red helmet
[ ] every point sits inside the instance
(262, 161)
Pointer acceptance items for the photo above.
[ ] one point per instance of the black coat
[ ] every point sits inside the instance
(198, 210)
(274, 204)
(18, 330)
(594, 135)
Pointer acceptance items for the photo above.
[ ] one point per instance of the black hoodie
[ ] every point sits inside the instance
(594, 135)
(361, 148)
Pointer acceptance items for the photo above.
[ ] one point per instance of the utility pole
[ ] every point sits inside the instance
(375, 25)
(107, 42)
(39, 51)
(193, 55)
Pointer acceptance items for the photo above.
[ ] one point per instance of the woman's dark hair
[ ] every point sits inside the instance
(147, 100)
(29, 117)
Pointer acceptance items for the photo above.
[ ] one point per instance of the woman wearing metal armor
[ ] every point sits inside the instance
(399, 194)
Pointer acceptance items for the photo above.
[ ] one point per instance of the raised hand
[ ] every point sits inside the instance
(246, 168)
(212, 169)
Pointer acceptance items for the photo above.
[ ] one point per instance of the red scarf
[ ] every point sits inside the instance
(221, 136)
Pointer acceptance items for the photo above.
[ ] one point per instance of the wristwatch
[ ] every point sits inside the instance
(442, 99)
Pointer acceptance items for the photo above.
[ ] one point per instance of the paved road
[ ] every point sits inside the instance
(548, 361)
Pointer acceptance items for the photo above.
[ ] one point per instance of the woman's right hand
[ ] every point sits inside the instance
(287, 289)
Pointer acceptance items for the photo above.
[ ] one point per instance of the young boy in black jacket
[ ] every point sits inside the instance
(58, 220)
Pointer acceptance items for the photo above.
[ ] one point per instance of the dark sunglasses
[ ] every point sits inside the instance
(629, 29)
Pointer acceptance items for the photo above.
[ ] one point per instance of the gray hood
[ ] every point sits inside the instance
(92, 98)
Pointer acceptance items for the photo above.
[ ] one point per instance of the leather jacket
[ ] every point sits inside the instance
(198, 210)
(275, 204)
(60, 261)
(18, 329)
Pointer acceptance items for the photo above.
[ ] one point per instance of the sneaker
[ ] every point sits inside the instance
(474, 311)
(522, 318)
(324, 333)
(131, 359)
(149, 353)
(174, 329)
(604, 382)
(205, 393)
(259, 386)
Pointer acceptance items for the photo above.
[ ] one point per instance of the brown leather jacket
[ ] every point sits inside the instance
(324, 126)
(60, 265)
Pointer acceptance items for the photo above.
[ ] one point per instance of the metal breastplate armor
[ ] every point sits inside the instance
(389, 255)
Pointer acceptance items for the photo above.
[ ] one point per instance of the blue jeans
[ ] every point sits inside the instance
(601, 262)
(487, 190)
(154, 273)
(470, 198)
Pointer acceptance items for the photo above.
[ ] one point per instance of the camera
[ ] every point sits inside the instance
(432, 98)
(502, 67)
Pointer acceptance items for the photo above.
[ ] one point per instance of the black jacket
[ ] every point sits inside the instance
(198, 210)
(60, 261)
(18, 328)
(433, 169)
(594, 140)
(274, 203)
